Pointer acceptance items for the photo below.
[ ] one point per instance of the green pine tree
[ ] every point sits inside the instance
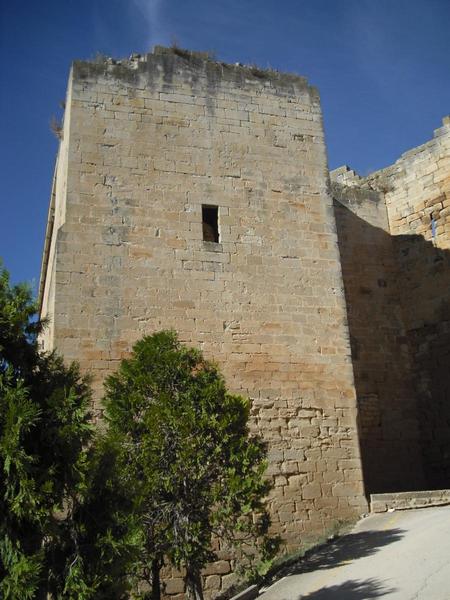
(101, 541)
(44, 430)
(193, 468)
(66, 528)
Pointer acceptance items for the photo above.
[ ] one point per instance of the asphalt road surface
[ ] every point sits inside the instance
(404, 555)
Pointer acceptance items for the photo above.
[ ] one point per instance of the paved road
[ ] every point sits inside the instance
(403, 555)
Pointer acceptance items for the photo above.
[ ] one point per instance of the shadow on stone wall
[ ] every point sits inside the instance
(424, 279)
(397, 291)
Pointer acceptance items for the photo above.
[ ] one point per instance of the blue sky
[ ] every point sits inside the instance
(382, 68)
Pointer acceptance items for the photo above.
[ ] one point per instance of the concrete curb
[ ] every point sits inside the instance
(408, 500)
(248, 594)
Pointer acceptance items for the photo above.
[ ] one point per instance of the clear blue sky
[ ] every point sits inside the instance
(382, 68)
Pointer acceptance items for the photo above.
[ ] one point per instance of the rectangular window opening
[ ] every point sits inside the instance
(210, 222)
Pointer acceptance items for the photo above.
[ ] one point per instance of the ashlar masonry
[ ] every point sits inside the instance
(195, 195)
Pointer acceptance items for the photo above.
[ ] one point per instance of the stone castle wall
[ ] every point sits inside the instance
(55, 221)
(146, 143)
(412, 241)
(387, 411)
(418, 204)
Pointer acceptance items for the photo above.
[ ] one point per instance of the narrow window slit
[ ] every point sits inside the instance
(210, 220)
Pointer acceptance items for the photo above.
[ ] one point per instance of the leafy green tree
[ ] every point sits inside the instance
(194, 470)
(44, 429)
(65, 528)
(102, 539)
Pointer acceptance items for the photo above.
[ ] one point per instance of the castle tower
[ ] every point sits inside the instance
(193, 195)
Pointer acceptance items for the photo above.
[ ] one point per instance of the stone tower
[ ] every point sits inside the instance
(194, 195)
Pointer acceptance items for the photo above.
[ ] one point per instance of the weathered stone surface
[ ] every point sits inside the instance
(145, 143)
(408, 500)
(148, 141)
(394, 234)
